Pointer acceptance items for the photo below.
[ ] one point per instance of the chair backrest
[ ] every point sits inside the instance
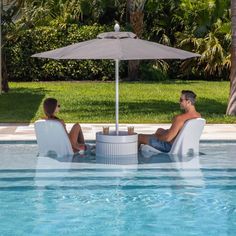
(187, 141)
(52, 138)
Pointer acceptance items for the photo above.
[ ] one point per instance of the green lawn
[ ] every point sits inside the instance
(94, 102)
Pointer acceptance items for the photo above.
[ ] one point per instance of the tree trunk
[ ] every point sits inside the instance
(136, 20)
(231, 109)
(5, 86)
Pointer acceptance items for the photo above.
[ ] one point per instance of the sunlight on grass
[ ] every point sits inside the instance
(94, 102)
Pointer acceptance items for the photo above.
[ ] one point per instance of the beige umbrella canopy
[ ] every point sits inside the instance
(116, 46)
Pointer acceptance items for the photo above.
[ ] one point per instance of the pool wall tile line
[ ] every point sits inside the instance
(26, 131)
(109, 187)
(93, 141)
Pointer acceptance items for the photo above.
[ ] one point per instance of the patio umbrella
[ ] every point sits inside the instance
(116, 46)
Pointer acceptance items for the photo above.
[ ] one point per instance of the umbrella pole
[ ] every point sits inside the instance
(117, 96)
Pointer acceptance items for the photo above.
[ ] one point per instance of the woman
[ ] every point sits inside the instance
(51, 107)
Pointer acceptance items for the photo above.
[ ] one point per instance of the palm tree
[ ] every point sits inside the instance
(3, 74)
(214, 49)
(231, 109)
(135, 9)
(10, 10)
(207, 30)
(136, 15)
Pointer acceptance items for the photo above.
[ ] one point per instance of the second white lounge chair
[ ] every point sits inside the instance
(186, 142)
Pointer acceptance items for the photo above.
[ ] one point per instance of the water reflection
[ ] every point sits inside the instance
(140, 158)
(189, 167)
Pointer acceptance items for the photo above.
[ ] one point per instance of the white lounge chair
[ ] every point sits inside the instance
(186, 142)
(52, 138)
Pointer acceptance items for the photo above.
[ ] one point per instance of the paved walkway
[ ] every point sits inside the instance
(15, 132)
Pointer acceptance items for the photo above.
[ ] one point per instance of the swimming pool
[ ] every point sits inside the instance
(158, 196)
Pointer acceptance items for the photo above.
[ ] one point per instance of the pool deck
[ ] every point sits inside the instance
(25, 132)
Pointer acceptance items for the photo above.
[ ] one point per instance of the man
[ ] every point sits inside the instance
(162, 139)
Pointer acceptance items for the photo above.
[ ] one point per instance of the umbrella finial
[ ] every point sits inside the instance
(117, 27)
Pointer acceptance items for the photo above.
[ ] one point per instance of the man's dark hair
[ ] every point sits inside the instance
(189, 95)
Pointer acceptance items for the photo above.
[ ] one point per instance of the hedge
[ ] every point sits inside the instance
(22, 67)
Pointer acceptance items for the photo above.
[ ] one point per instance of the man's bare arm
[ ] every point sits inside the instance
(160, 131)
(171, 133)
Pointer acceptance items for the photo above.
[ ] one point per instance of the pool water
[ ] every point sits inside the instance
(158, 196)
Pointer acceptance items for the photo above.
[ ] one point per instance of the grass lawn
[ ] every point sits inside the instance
(94, 102)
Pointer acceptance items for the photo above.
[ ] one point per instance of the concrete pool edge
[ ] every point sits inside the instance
(26, 131)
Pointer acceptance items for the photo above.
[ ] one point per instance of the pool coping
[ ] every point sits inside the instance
(25, 132)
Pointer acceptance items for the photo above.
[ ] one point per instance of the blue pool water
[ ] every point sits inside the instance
(158, 196)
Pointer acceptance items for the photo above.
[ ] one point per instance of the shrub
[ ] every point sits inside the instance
(151, 72)
(22, 67)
